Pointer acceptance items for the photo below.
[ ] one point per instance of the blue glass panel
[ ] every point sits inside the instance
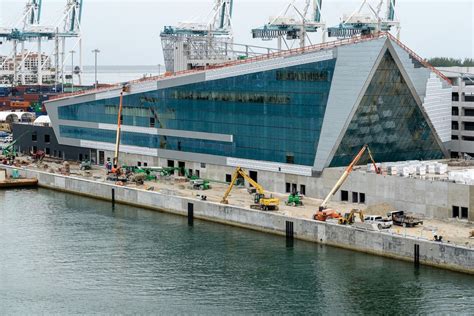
(271, 114)
(389, 120)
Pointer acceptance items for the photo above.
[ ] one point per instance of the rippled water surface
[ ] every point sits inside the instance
(65, 254)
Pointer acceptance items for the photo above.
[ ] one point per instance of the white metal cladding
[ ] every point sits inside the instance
(123, 148)
(354, 64)
(270, 64)
(417, 75)
(168, 132)
(437, 105)
(270, 166)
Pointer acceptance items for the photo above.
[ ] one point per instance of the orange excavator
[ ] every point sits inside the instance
(324, 213)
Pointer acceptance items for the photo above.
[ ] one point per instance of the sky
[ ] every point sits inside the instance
(127, 32)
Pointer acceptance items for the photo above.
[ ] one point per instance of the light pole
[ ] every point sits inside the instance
(96, 51)
(72, 70)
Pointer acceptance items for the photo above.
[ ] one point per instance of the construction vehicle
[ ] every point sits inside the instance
(400, 218)
(294, 199)
(382, 223)
(343, 178)
(261, 202)
(116, 170)
(324, 215)
(85, 165)
(38, 156)
(9, 151)
(349, 218)
(200, 184)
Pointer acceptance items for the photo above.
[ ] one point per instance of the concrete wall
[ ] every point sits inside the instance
(379, 243)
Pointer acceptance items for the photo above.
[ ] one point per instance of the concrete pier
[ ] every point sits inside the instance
(442, 255)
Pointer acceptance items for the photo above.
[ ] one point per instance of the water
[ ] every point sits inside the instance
(66, 254)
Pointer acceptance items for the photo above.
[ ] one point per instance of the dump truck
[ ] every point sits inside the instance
(400, 218)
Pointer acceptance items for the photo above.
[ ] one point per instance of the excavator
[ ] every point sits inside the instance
(324, 213)
(349, 218)
(261, 202)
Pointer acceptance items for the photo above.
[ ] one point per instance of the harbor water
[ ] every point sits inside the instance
(63, 254)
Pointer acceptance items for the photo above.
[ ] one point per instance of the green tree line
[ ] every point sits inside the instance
(451, 62)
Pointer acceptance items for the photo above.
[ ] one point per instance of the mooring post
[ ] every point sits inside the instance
(289, 234)
(113, 198)
(190, 214)
(417, 255)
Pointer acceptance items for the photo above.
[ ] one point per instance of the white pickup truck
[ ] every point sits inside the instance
(382, 223)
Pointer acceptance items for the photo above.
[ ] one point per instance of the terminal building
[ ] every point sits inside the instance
(285, 117)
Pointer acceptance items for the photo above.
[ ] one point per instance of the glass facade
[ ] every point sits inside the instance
(274, 115)
(389, 120)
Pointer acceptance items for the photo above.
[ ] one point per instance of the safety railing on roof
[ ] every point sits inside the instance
(279, 54)
(418, 58)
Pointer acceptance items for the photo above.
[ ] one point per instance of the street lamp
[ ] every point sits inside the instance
(72, 70)
(96, 51)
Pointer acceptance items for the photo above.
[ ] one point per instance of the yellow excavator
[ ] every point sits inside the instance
(349, 218)
(261, 202)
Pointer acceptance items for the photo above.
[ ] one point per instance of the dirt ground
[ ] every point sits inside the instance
(453, 231)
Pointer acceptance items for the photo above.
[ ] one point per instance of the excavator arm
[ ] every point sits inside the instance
(238, 171)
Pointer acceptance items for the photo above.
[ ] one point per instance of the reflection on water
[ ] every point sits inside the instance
(66, 254)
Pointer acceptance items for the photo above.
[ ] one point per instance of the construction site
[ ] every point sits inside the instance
(337, 147)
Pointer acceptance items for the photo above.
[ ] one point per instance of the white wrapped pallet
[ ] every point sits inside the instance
(441, 168)
(392, 170)
(404, 170)
(421, 170)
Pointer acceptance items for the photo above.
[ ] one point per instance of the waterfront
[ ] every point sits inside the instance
(67, 254)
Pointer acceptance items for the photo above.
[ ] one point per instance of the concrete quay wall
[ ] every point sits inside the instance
(441, 255)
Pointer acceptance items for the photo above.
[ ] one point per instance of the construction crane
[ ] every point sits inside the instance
(115, 163)
(342, 179)
(368, 19)
(285, 27)
(261, 202)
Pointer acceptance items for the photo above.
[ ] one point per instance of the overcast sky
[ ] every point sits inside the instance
(127, 32)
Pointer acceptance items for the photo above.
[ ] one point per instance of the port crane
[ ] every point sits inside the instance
(323, 211)
(285, 27)
(29, 29)
(261, 202)
(368, 19)
(206, 42)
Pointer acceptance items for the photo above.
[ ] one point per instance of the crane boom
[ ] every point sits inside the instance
(119, 127)
(347, 172)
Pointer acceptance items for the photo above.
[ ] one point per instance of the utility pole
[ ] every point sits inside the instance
(96, 83)
(72, 70)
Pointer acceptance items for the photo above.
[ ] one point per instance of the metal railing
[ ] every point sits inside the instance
(279, 54)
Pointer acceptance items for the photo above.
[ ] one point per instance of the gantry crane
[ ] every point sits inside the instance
(367, 19)
(28, 28)
(286, 27)
(261, 202)
(323, 212)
